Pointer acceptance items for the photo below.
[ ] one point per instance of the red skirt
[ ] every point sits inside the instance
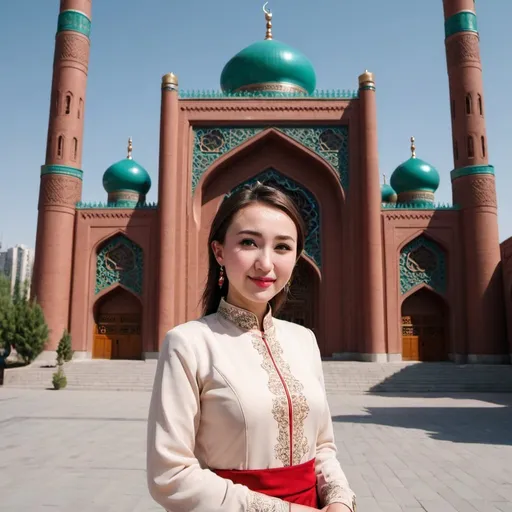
(294, 484)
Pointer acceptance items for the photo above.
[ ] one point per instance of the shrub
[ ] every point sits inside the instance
(59, 379)
(64, 350)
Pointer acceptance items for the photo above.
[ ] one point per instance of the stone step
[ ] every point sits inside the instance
(340, 376)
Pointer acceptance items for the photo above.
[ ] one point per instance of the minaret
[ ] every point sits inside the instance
(372, 272)
(61, 176)
(474, 189)
(168, 308)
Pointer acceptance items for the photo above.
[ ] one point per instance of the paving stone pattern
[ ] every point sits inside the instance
(84, 451)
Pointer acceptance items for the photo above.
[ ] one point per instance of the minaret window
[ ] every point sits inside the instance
(482, 139)
(455, 150)
(480, 105)
(68, 103)
(80, 107)
(60, 146)
(75, 148)
(471, 147)
(469, 106)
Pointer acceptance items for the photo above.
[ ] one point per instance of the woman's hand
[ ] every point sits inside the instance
(303, 508)
(336, 507)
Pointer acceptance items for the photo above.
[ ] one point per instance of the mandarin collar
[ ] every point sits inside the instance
(244, 319)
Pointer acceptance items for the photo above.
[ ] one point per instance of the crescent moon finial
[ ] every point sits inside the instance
(268, 17)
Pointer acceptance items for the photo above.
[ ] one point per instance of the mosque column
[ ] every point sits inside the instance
(370, 247)
(473, 183)
(167, 187)
(61, 176)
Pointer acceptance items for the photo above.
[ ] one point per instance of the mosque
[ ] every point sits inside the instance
(387, 274)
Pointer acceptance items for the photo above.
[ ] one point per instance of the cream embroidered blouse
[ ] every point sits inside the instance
(229, 396)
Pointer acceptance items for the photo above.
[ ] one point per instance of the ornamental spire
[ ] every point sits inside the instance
(413, 148)
(268, 17)
(130, 149)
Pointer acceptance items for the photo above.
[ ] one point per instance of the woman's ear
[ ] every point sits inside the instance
(218, 252)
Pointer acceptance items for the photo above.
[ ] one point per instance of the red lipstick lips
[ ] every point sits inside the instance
(262, 282)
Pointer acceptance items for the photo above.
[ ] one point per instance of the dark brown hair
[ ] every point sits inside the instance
(257, 194)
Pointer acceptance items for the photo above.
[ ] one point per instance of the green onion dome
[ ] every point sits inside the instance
(269, 66)
(388, 195)
(126, 180)
(415, 180)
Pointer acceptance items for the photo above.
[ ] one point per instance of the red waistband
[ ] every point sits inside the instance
(295, 484)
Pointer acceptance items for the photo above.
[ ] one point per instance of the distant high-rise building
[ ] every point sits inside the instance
(17, 264)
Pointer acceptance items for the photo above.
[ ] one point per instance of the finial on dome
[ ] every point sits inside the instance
(130, 149)
(268, 17)
(413, 148)
(384, 178)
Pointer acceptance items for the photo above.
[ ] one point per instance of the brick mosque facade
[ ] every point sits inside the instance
(386, 276)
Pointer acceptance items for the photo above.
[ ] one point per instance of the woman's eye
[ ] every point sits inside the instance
(283, 247)
(248, 242)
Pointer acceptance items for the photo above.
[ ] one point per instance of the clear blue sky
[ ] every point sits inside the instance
(134, 43)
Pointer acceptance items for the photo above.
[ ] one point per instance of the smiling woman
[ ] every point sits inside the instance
(239, 419)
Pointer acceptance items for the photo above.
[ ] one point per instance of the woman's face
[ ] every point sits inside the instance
(258, 254)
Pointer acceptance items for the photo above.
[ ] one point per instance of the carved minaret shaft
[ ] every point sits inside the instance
(61, 176)
(473, 184)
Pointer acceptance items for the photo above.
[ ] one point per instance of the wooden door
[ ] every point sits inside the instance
(410, 340)
(102, 347)
(117, 337)
(424, 329)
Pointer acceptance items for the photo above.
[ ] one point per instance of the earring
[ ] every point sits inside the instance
(221, 276)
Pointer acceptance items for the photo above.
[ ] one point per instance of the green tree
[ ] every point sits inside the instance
(31, 330)
(7, 314)
(64, 350)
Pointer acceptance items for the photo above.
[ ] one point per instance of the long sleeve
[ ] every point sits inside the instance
(175, 478)
(333, 486)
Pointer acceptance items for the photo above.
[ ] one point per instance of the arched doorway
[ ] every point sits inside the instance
(117, 330)
(424, 327)
(300, 306)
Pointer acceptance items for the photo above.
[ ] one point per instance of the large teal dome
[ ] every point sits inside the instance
(127, 174)
(415, 179)
(269, 65)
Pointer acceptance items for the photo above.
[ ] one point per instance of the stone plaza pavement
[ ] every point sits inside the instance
(78, 451)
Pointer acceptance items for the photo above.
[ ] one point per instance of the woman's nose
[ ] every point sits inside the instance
(264, 261)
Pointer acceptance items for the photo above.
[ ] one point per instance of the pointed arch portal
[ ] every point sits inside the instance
(117, 329)
(424, 327)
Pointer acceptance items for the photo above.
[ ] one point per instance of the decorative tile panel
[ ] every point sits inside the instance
(422, 261)
(120, 261)
(330, 143)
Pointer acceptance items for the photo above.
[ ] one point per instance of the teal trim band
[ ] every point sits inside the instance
(367, 88)
(62, 169)
(472, 169)
(75, 21)
(464, 21)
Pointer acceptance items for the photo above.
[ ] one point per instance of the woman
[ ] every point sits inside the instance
(239, 420)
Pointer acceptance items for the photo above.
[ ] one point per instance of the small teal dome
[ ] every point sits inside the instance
(127, 175)
(388, 195)
(415, 175)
